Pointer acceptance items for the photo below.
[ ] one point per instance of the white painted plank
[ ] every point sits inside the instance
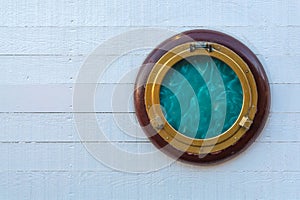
(61, 127)
(282, 69)
(54, 40)
(59, 98)
(149, 13)
(35, 13)
(64, 69)
(281, 127)
(108, 98)
(30, 98)
(19, 40)
(114, 185)
(39, 69)
(267, 41)
(74, 156)
(191, 186)
(285, 97)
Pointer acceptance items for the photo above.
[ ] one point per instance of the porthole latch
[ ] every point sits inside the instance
(201, 45)
(245, 122)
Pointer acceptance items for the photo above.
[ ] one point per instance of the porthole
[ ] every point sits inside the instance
(202, 96)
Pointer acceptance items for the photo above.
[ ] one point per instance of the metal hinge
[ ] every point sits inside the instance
(245, 122)
(201, 45)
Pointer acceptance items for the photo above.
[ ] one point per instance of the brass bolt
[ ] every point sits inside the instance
(157, 123)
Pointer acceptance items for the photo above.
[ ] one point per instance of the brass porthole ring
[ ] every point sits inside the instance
(202, 96)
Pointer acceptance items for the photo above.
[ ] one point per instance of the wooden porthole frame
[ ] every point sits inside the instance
(256, 96)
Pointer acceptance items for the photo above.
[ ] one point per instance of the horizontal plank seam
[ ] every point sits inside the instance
(145, 141)
(109, 112)
(152, 26)
(115, 171)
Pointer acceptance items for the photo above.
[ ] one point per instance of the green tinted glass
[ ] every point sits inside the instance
(201, 97)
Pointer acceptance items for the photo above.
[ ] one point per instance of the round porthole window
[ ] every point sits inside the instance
(202, 96)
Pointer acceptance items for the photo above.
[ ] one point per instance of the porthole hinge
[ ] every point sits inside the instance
(245, 122)
(201, 45)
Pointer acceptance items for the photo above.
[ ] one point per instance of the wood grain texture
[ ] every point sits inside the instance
(28, 70)
(60, 127)
(267, 41)
(43, 44)
(98, 185)
(43, 156)
(108, 98)
(149, 13)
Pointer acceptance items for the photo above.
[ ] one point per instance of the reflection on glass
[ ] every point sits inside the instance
(216, 99)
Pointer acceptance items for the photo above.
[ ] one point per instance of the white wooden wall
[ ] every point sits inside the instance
(43, 44)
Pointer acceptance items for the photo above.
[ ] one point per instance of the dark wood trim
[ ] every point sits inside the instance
(245, 53)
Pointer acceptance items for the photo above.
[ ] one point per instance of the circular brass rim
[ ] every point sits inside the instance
(175, 138)
(263, 93)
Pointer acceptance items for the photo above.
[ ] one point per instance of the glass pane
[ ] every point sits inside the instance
(201, 97)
